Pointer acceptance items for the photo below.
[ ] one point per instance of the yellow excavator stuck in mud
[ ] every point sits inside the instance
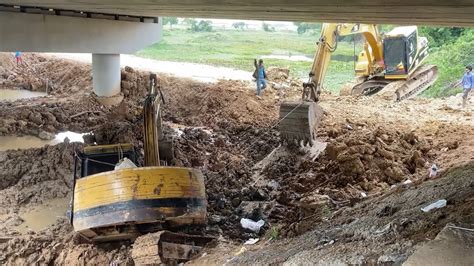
(389, 65)
(113, 199)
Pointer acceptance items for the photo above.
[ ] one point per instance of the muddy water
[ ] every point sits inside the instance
(13, 95)
(40, 217)
(28, 142)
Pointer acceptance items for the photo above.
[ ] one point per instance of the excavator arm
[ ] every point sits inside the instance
(370, 59)
(298, 119)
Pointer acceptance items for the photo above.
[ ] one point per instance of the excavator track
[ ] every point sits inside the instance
(398, 90)
(418, 82)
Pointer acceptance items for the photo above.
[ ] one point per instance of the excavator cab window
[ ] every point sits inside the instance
(396, 56)
(102, 158)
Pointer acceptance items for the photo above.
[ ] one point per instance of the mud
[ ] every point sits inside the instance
(373, 146)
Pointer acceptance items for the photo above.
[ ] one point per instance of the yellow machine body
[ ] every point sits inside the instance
(147, 196)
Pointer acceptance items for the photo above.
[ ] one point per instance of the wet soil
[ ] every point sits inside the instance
(340, 202)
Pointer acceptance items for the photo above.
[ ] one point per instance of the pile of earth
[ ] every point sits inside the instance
(360, 160)
(216, 105)
(34, 175)
(58, 245)
(40, 73)
(383, 229)
(45, 118)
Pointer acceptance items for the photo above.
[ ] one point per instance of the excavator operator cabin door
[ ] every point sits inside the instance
(412, 49)
(395, 52)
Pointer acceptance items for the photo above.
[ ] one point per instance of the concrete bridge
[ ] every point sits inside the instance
(107, 28)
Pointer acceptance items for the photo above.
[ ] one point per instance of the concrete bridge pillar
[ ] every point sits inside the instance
(106, 76)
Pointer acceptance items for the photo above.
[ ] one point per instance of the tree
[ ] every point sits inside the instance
(170, 20)
(267, 27)
(303, 27)
(189, 21)
(239, 25)
(202, 25)
(441, 36)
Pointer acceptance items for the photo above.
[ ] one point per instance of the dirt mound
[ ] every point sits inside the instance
(80, 115)
(382, 229)
(39, 73)
(58, 246)
(33, 175)
(278, 74)
(230, 135)
(216, 105)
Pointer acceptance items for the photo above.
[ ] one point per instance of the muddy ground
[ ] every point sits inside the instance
(351, 200)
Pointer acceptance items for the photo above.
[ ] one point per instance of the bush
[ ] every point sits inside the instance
(239, 25)
(201, 26)
(451, 60)
(267, 27)
(303, 27)
(441, 36)
(170, 20)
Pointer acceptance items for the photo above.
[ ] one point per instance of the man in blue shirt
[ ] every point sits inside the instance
(260, 75)
(467, 84)
(19, 61)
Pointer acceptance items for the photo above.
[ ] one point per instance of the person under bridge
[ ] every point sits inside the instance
(467, 85)
(260, 75)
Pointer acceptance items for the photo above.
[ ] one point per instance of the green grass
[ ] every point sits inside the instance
(451, 60)
(237, 49)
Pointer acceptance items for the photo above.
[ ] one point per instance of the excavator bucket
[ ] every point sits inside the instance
(298, 121)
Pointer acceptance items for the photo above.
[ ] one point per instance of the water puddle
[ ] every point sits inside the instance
(28, 142)
(42, 216)
(13, 95)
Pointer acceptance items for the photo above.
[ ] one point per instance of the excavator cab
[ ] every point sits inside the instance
(403, 51)
(102, 158)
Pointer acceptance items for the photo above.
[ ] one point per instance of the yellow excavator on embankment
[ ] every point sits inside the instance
(113, 199)
(389, 65)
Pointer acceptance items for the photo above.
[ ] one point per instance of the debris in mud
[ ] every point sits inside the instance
(225, 132)
(167, 248)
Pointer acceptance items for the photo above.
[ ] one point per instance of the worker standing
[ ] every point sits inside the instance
(19, 61)
(260, 75)
(467, 84)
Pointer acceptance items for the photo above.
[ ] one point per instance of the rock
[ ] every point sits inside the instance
(129, 69)
(417, 160)
(215, 219)
(22, 123)
(351, 164)
(46, 135)
(395, 173)
(260, 194)
(314, 202)
(35, 118)
(14, 221)
(255, 210)
(386, 154)
(236, 202)
(50, 118)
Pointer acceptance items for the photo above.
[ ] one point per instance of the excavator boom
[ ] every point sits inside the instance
(391, 65)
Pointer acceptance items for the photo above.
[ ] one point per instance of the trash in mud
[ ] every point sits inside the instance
(435, 205)
(433, 171)
(251, 241)
(124, 164)
(251, 225)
